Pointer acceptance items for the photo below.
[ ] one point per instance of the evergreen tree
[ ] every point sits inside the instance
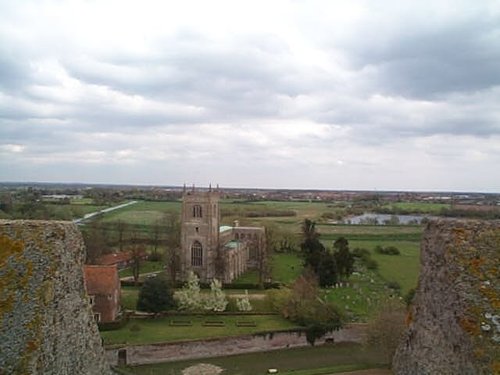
(316, 256)
(343, 258)
(155, 295)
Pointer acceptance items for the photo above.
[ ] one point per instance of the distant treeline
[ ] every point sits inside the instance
(225, 212)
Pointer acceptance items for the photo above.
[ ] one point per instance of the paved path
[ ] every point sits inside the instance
(103, 211)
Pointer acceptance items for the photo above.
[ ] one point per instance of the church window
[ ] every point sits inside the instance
(196, 254)
(197, 212)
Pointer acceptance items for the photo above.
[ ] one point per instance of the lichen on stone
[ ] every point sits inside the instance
(46, 326)
(457, 297)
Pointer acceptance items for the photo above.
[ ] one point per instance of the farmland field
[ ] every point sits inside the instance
(145, 213)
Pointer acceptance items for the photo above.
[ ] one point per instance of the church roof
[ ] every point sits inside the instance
(224, 228)
(232, 244)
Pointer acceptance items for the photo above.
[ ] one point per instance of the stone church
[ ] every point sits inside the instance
(211, 250)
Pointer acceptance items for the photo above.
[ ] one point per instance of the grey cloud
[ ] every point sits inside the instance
(430, 61)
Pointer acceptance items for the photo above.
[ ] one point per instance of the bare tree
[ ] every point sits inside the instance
(173, 244)
(155, 239)
(122, 228)
(95, 238)
(263, 261)
(386, 329)
(137, 251)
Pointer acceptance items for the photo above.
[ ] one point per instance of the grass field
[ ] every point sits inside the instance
(145, 213)
(326, 359)
(142, 331)
(285, 268)
(402, 268)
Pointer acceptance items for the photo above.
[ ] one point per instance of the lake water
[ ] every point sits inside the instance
(381, 219)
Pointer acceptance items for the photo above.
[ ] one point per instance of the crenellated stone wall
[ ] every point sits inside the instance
(454, 323)
(46, 324)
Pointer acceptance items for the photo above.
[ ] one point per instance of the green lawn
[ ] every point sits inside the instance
(129, 297)
(285, 267)
(325, 359)
(142, 331)
(249, 277)
(402, 268)
(145, 267)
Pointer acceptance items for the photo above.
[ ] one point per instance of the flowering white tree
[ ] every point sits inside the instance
(244, 304)
(189, 297)
(216, 301)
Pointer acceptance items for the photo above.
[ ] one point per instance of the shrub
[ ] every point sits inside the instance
(408, 298)
(360, 252)
(155, 257)
(155, 295)
(393, 285)
(371, 264)
(244, 304)
(389, 250)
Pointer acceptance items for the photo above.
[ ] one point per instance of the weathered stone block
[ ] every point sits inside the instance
(46, 324)
(457, 300)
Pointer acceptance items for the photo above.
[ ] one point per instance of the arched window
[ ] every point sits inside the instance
(196, 254)
(197, 212)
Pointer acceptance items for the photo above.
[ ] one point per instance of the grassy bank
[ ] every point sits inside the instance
(326, 359)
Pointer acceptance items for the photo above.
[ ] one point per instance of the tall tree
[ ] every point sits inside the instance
(316, 255)
(155, 240)
(137, 251)
(343, 258)
(94, 237)
(172, 227)
(306, 307)
(122, 228)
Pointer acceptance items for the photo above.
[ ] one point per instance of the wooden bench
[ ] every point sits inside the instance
(246, 324)
(181, 323)
(213, 323)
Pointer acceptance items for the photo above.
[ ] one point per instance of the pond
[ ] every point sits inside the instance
(382, 219)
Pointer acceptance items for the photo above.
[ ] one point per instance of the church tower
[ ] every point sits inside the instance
(199, 233)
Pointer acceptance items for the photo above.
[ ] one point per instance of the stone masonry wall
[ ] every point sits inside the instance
(454, 324)
(46, 324)
(165, 352)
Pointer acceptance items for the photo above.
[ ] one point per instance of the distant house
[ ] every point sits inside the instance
(103, 288)
(121, 260)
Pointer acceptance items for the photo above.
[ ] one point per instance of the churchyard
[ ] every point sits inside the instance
(358, 299)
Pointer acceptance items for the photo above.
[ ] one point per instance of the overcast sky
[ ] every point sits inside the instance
(388, 95)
